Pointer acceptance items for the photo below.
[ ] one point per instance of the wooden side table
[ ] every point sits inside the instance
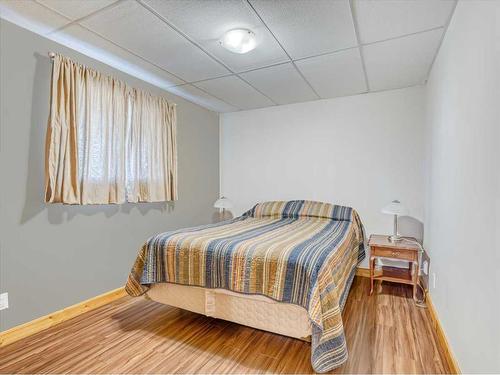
(382, 247)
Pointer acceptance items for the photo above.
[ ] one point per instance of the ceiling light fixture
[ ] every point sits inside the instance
(239, 40)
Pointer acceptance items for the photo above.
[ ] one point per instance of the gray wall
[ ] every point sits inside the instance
(53, 256)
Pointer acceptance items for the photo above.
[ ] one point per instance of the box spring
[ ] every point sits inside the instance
(250, 310)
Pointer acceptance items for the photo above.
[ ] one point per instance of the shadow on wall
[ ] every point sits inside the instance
(411, 227)
(34, 196)
(33, 203)
(59, 213)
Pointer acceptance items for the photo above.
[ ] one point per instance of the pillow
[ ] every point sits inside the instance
(301, 208)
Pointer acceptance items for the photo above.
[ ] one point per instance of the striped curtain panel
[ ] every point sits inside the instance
(106, 141)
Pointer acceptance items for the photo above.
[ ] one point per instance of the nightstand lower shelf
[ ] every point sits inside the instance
(393, 274)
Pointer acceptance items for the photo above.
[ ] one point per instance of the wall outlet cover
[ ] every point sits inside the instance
(425, 267)
(4, 301)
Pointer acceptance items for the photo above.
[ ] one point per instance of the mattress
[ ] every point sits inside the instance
(254, 311)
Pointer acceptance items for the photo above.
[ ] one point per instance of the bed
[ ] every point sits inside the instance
(282, 266)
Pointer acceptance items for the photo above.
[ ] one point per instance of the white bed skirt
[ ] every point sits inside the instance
(251, 310)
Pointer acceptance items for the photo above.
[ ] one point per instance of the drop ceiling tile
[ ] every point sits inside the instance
(132, 26)
(282, 83)
(31, 16)
(195, 95)
(335, 74)
(384, 19)
(235, 91)
(401, 62)
(75, 9)
(309, 27)
(92, 45)
(207, 21)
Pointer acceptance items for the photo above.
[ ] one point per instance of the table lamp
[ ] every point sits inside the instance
(397, 209)
(223, 204)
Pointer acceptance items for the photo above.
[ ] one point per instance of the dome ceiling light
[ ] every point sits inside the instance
(239, 40)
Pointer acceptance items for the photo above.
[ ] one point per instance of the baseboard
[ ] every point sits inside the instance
(30, 328)
(363, 272)
(452, 362)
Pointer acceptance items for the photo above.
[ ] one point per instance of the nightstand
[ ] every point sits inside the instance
(382, 247)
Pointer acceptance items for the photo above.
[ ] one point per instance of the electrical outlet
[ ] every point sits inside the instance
(4, 301)
(434, 280)
(425, 267)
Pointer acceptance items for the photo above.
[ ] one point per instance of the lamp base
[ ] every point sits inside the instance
(395, 238)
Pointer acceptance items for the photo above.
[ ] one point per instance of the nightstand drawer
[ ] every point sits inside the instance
(394, 253)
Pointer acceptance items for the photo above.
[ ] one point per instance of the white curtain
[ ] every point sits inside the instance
(107, 142)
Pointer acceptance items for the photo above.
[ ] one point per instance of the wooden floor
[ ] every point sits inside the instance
(386, 333)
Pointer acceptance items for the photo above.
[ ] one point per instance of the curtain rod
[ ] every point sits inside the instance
(52, 55)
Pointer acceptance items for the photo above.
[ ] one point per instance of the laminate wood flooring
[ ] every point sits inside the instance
(386, 333)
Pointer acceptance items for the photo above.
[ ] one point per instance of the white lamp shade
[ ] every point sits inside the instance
(395, 208)
(223, 202)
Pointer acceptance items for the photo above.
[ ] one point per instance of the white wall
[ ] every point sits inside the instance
(462, 224)
(362, 151)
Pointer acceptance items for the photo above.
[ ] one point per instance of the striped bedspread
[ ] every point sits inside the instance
(299, 252)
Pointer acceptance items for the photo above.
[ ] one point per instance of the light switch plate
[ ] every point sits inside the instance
(4, 301)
